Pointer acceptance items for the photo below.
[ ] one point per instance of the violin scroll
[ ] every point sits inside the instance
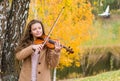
(68, 49)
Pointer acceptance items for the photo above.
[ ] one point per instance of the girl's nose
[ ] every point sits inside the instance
(38, 30)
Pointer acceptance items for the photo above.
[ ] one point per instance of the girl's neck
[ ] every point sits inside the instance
(34, 38)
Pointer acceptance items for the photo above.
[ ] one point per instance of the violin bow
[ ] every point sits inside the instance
(46, 39)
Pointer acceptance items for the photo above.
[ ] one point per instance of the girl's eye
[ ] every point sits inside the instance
(34, 29)
(39, 27)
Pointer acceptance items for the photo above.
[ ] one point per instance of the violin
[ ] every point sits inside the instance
(50, 43)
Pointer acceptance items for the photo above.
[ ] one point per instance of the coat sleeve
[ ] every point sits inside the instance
(24, 53)
(53, 58)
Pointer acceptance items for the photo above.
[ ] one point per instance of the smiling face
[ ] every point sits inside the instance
(36, 30)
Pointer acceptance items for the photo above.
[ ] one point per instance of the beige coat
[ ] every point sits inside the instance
(46, 60)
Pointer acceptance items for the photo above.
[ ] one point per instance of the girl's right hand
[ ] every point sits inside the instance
(37, 47)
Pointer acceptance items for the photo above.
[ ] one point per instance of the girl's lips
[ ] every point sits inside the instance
(38, 33)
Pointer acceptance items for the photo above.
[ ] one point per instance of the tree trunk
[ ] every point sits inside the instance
(16, 21)
(4, 8)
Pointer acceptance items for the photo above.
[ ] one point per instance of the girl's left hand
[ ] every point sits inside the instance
(58, 46)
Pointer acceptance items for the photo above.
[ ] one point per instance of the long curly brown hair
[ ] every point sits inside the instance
(27, 38)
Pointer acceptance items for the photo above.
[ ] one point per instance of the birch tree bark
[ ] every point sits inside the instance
(54, 74)
(16, 21)
(4, 8)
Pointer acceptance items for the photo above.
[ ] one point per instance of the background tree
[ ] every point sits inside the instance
(15, 22)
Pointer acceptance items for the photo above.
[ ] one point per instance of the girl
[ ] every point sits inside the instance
(37, 59)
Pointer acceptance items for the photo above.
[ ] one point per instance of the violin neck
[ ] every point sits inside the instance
(53, 42)
(67, 48)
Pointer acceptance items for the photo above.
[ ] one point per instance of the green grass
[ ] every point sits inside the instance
(105, 32)
(107, 76)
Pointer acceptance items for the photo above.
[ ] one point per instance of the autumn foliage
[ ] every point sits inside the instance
(71, 29)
